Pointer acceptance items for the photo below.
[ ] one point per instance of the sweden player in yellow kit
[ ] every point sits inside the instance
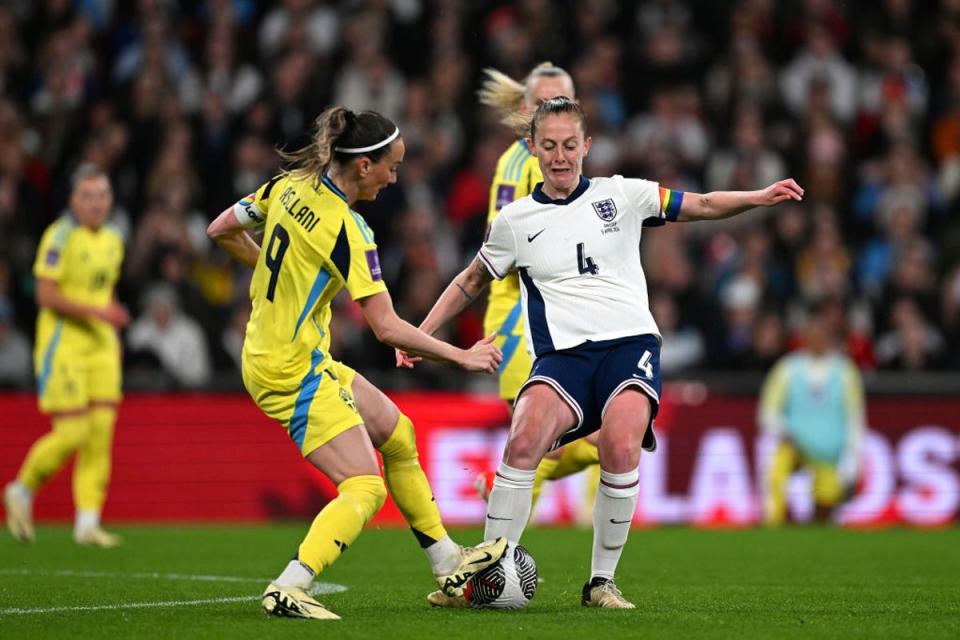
(516, 175)
(76, 358)
(314, 245)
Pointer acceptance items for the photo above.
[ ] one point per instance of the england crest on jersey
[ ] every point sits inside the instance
(606, 209)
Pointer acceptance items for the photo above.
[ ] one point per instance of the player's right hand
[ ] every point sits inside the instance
(115, 315)
(483, 357)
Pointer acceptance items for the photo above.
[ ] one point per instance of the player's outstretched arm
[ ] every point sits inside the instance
(390, 329)
(717, 205)
(462, 291)
(50, 296)
(231, 236)
(459, 294)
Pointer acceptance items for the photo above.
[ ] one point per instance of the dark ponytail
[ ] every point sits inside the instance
(340, 128)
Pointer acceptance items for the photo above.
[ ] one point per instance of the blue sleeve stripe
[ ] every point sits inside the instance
(510, 172)
(362, 225)
(521, 162)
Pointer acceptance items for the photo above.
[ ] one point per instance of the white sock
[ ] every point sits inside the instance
(86, 520)
(21, 491)
(508, 507)
(444, 556)
(612, 515)
(296, 574)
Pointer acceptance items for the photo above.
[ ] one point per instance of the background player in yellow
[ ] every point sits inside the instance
(812, 402)
(516, 174)
(314, 245)
(76, 358)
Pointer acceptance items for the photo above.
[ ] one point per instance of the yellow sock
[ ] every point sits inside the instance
(775, 504)
(50, 453)
(408, 484)
(339, 523)
(91, 471)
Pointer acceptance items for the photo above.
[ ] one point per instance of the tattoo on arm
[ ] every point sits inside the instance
(464, 292)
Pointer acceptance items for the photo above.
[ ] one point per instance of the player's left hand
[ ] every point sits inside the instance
(780, 191)
(405, 360)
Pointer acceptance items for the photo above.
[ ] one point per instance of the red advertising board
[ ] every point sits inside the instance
(215, 457)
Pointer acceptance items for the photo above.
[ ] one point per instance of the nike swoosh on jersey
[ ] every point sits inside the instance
(612, 521)
(531, 238)
(490, 517)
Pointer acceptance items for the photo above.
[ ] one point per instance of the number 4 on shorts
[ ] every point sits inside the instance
(644, 364)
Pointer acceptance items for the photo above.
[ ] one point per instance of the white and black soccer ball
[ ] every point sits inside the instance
(508, 584)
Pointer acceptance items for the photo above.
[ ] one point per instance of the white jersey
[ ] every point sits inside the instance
(579, 259)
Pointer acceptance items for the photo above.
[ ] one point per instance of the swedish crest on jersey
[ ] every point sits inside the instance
(606, 209)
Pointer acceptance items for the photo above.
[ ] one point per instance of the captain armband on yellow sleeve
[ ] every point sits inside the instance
(248, 213)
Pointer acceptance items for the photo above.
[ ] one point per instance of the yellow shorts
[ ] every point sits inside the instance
(320, 409)
(827, 487)
(70, 378)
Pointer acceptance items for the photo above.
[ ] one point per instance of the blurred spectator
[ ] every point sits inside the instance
(820, 66)
(912, 344)
(300, 23)
(16, 365)
(176, 340)
(683, 344)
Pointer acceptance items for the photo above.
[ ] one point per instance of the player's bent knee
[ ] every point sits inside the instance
(366, 493)
(402, 443)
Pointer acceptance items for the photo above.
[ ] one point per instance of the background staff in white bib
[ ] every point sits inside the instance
(595, 341)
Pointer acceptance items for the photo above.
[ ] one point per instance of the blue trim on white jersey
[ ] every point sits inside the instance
(543, 198)
(537, 316)
(323, 277)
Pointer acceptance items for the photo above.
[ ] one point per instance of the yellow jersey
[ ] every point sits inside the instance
(516, 176)
(314, 245)
(85, 263)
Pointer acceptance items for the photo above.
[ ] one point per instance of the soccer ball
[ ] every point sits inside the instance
(508, 584)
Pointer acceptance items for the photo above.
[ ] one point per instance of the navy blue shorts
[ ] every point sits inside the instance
(590, 375)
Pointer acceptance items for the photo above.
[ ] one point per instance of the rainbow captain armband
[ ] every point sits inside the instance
(670, 202)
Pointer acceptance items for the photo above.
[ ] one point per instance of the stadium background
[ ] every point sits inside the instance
(183, 104)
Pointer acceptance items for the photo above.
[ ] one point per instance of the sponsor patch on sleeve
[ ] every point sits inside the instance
(53, 256)
(505, 195)
(373, 262)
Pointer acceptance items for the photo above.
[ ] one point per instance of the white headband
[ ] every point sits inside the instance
(383, 143)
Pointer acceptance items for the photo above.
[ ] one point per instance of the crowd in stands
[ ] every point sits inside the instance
(184, 104)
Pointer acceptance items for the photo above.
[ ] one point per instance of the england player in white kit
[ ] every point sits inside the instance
(575, 244)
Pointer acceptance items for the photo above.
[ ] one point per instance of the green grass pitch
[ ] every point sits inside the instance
(809, 582)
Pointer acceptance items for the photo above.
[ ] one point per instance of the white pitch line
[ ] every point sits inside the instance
(66, 573)
(318, 588)
(128, 605)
